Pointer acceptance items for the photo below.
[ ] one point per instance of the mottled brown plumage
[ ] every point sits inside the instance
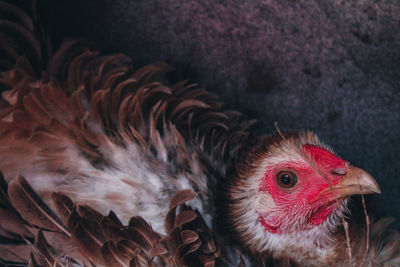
(78, 234)
(111, 166)
(81, 94)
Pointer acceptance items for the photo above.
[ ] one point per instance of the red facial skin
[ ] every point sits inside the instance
(302, 202)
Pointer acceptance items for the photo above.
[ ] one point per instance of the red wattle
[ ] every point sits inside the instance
(321, 214)
(268, 226)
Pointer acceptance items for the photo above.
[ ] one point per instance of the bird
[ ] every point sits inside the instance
(103, 164)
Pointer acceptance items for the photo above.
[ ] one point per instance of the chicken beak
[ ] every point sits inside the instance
(354, 182)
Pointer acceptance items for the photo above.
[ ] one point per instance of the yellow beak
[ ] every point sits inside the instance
(355, 182)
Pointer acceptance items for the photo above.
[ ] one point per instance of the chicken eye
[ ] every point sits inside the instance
(286, 179)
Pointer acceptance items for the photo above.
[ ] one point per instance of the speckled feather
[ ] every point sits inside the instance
(101, 120)
(78, 235)
(89, 123)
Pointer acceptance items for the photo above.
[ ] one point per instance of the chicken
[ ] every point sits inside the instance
(108, 165)
(288, 195)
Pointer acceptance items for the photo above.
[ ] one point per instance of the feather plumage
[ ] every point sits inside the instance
(87, 237)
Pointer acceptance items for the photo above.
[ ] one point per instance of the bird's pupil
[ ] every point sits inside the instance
(286, 179)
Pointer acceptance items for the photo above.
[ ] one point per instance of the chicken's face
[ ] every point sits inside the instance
(302, 190)
(293, 189)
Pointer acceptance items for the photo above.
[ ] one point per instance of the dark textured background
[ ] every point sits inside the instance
(329, 66)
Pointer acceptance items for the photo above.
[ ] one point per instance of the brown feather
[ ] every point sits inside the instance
(32, 208)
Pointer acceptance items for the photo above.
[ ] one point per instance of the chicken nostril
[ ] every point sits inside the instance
(339, 171)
